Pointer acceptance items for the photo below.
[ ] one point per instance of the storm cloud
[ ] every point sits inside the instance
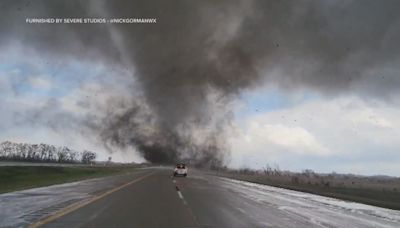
(201, 55)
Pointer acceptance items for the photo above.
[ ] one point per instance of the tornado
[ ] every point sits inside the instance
(196, 58)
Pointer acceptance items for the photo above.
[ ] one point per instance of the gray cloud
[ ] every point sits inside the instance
(220, 48)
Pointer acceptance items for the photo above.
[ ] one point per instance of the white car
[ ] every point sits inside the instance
(180, 170)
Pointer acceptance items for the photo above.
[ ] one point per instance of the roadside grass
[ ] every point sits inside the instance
(371, 195)
(13, 178)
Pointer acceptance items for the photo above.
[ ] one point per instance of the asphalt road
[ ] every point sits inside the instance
(158, 200)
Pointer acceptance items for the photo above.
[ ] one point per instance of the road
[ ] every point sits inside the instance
(152, 198)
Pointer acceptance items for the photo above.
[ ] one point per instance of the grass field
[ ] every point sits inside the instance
(383, 194)
(14, 178)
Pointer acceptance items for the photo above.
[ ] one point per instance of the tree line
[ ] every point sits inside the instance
(11, 151)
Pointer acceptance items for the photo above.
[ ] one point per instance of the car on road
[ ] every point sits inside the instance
(180, 170)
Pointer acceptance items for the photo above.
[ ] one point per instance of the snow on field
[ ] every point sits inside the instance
(321, 211)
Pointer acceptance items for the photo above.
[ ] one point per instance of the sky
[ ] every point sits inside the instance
(250, 85)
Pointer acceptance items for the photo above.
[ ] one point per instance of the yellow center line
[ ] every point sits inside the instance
(80, 204)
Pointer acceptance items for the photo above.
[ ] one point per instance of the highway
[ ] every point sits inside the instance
(152, 198)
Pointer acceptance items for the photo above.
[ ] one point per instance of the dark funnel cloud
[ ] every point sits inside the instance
(200, 55)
